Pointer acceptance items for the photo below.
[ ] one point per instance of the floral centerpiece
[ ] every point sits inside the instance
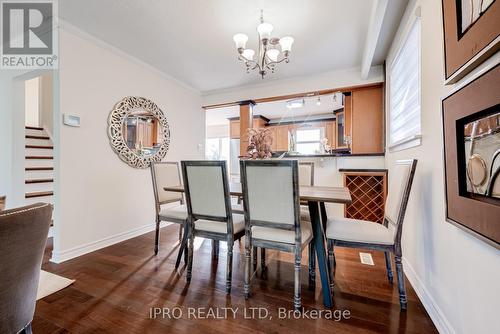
(259, 143)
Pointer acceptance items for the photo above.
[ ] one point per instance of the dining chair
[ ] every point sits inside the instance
(164, 174)
(306, 178)
(209, 209)
(272, 213)
(386, 237)
(23, 234)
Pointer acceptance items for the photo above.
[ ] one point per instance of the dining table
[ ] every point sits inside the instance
(316, 197)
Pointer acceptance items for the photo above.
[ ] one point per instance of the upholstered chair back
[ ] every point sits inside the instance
(207, 189)
(400, 182)
(23, 234)
(166, 174)
(306, 173)
(271, 191)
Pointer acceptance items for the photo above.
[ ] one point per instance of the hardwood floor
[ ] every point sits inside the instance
(116, 288)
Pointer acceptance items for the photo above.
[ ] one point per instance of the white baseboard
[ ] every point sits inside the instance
(68, 254)
(437, 316)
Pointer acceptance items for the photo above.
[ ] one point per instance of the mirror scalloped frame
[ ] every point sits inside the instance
(116, 120)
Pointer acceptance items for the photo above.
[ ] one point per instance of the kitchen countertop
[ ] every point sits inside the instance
(333, 155)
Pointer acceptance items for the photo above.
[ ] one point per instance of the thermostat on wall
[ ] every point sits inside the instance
(71, 120)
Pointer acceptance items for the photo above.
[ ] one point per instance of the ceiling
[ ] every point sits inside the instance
(278, 111)
(191, 40)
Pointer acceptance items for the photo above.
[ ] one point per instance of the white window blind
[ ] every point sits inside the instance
(404, 90)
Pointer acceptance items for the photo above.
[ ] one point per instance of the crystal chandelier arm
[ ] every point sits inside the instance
(271, 64)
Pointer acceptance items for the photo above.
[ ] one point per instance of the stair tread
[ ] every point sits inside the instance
(28, 127)
(39, 194)
(40, 146)
(38, 168)
(39, 181)
(39, 157)
(37, 137)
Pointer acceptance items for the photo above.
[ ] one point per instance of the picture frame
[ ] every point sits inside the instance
(473, 209)
(471, 35)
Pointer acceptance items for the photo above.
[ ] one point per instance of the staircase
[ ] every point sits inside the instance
(39, 166)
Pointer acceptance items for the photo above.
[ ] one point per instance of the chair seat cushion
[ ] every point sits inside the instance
(354, 230)
(178, 212)
(220, 227)
(283, 236)
(304, 214)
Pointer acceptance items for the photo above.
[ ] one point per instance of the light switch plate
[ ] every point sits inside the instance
(71, 120)
(366, 258)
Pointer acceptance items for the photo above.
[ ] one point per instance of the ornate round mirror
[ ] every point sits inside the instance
(138, 131)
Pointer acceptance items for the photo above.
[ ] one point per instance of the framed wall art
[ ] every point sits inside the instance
(471, 35)
(471, 121)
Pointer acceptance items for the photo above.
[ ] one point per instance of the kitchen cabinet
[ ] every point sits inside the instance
(234, 129)
(234, 126)
(340, 130)
(282, 137)
(367, 120)
(330, 132)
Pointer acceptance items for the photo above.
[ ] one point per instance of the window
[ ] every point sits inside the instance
(308, 140)
(404, 92)
(217, 148)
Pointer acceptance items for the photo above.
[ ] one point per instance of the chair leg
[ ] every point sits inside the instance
(246, 286)
(389, 267)
(254, 258)
(297, 304)
(401, 282)
(190, 255)
(27, 329)
(157, 236)
(332, 264)
(215, 249)
(312, 265)
(229, 269)
(263, 260)
(182, 248)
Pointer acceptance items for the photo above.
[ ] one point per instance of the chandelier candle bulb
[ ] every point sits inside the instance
(268, 54)
(265, 30)
(248, 54)
(240, 40)
(273, 54)
(286, 43)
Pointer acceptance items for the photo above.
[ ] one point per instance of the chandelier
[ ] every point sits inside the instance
(269, 54)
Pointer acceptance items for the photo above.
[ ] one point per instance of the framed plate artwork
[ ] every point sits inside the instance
(471, 35)
(471, 120)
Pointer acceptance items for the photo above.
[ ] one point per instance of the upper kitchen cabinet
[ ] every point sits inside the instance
(367, 126)
(234, 125)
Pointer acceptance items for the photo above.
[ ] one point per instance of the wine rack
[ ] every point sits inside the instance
(368, 192)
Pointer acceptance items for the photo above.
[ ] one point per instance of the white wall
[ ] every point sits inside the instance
(6, 132)
(102, 200)
(329, 80)
(456, 275)
(218, 131)
(46, 103)
(31, 102)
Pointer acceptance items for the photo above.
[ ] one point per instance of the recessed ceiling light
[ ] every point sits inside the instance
(292, 104)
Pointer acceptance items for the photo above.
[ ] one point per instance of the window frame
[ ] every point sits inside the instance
(321, 136)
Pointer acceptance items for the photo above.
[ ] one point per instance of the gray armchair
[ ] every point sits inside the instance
(23, 234)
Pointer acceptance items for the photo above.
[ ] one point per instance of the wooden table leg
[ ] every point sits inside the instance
(319, 243)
